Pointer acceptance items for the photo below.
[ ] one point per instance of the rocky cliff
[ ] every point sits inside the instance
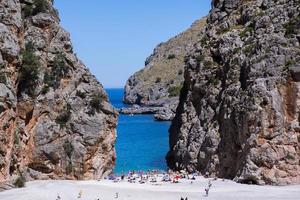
(238, 116)
(56, 120)
(159, 82)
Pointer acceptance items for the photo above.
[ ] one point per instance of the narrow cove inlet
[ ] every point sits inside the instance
(142, 142)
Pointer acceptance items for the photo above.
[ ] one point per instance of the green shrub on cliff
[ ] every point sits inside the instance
(45, 89)
(59, 67)
(68, 148)
(292, 27)
(69, 169)
(158, 80)
(59, 70)
(63, 118)
(27, 11)
(96, 101)
(16, 138)
(248, 30)
(174, 91)
(171, 56)
(28, 76)
(20, 181)
(38, 6)
(80, 94)
(49, 79)
(199, 58)
(3, 78)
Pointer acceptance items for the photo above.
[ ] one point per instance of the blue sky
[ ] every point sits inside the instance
(113, 38)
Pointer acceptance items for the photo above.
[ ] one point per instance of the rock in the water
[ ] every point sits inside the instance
(56, 121)
(238, 115)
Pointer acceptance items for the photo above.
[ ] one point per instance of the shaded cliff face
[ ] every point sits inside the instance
(162, 77)
(56, 121)
(238, 115)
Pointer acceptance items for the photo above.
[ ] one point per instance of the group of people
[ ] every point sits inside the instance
(153, 176)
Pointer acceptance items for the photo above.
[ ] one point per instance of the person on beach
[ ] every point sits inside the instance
(80, 194)
(193, 177)
(58, 197)
(206, 175)
(209, 184)
(206, 192)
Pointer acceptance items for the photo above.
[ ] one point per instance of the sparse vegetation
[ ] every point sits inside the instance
(235, 61)
(171, 56)
(223, 30)
(59, 70)
(63, 118)
(292, 27)
(29, 71)
(45, 89)
(96, 101)
(213, 81)
(20, 181)
(16, 138)
(2, 109)
(68, 148)
(69, 169)
(180, 72)
(105, 147)
(204, 39)
(236, 50)
(49, 79)
(80, 94)
(174, 90)
(59, 67)
(249, 29)
(38, 6)
(208, 64)
(289, 64)
(3, 78)
(158, 80)
(290, 157)
(6, 125)
(199, 58)
(27, 11)
(249, 49)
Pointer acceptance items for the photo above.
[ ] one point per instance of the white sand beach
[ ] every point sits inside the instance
(106, 190)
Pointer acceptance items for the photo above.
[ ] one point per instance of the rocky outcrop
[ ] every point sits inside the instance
(161, 80)
(238, 115)
(163, 110)
(56, 120)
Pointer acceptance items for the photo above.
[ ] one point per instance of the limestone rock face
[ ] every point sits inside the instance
(55, 118)
(239, 109)
(160, 81)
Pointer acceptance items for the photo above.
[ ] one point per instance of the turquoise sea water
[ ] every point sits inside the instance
(142, 143)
